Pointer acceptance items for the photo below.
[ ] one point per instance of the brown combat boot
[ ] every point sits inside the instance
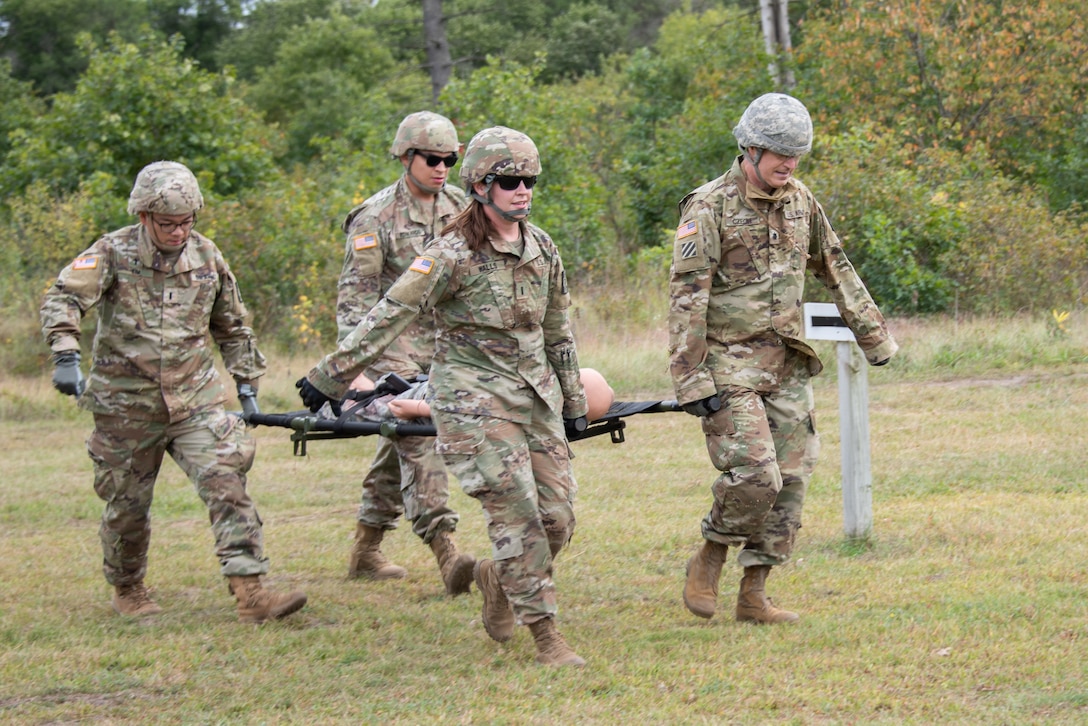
(551, 647)
(497, 616)
(134, 600)
(256, 605)
(704, 571)
(753, 605)
(367, 559)
(456, 568)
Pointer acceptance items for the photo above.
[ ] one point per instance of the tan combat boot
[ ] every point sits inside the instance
(256, 605)
(367, 559)
(134, 600)
(551, 647)
(456, 568)
(704, 571)
(753, 605)
(497, 616)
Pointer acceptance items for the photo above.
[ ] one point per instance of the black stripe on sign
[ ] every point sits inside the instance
(828, 321)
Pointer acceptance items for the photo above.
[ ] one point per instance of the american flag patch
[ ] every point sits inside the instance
(688, 250)
(687, 229)
(422, 264)
(85, 263)
(365, 241)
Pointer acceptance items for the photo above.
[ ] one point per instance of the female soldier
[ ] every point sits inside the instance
(504, 381)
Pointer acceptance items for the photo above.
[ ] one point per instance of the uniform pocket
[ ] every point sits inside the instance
(471, 459)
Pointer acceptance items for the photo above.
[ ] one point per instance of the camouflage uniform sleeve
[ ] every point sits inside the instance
(76, 290)
(559, 344)
(696, 251)
(230, 330)
(831, 267)
(360, 284)
(415, 291)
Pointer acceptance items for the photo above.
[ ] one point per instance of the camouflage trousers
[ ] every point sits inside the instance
(765, 446)
(407, 477)
(522, 477)
(215, 452)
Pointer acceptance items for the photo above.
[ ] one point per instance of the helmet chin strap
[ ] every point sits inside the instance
(755, 164)
(408, 172)
(516, 215)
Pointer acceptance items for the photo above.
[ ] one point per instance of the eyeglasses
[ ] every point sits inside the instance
(434, 160)
(510, 183)
(169, 227)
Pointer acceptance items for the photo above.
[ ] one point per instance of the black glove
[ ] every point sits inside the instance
(315, 399)
(702, 408)
(67, 377)
(248, 398)
(575, 426)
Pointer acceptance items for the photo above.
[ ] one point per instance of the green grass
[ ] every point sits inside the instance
(969, 603)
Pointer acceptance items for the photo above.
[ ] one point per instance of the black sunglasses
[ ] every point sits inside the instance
(433, 160)
(510, 183)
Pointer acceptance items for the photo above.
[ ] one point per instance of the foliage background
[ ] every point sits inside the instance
(950, 149)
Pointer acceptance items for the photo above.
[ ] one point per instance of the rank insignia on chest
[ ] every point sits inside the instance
(423, 265)
(365, 241)
(85, 263)
(687, 229)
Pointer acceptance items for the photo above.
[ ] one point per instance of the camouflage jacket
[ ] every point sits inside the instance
(504, 332)
(737, 282)
(384, 234)
(152, 358)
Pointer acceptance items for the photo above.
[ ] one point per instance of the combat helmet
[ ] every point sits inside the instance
(776, 122)
(499, 151)
(425, 130)
(165, 187)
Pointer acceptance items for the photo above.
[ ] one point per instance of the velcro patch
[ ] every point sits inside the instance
(423, 265)
(687, 229)
(365, 241)
(689, 249)
(85, 263)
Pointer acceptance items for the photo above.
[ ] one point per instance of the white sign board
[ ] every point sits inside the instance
(823, 322)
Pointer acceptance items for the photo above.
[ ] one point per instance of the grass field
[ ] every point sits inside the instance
(969, 603)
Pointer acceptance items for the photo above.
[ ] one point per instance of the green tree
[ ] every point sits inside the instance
(326, 78)
(203, 24)
(39, 36)
(138, 103)
(686, 94)
(578, 131)
(264, 27)
(20, 105)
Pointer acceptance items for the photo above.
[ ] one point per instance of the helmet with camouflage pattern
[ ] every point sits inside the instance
(165, 187)
(775, 122)
(424, 130)
(501, 152)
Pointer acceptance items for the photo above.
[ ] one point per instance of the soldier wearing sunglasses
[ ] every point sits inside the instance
(505, 386)
(384, 234)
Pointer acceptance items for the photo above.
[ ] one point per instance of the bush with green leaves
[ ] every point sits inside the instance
(139, 103)
(686, 95)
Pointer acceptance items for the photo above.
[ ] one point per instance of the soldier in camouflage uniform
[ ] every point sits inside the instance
(384, 235)
(164, 292)
(737, 356)
(504, 384)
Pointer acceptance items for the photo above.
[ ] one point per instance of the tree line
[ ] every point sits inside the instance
(950, 141)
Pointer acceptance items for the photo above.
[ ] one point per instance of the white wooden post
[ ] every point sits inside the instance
(822, 322)
(857, 478)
